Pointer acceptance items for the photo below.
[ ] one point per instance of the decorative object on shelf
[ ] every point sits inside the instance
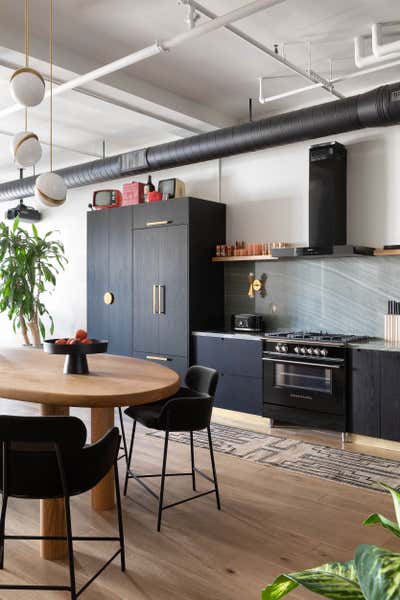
(27, 85)
(149, 187)
(133, 193)
(171, 188)
(373, 573)
(154, 197)
(392, 322)
(102, 199)
(50, 188)
(29, 264)
(75, 354)
(242, 248)
(257, 285)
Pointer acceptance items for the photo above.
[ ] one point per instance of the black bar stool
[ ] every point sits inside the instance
(46, 457)
(189, 410)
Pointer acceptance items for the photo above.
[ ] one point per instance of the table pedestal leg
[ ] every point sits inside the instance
(52, 515)
(103, 493)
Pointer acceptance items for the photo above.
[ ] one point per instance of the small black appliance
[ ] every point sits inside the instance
(247, 322)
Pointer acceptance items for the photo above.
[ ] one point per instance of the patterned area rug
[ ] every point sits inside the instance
(316, 460)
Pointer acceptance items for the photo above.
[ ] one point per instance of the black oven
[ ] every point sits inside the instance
(305, 384)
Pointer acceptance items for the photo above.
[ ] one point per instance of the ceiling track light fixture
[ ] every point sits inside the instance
(50, 188)
(25, 146)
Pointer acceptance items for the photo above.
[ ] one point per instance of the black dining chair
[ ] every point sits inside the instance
(46, 458)
(188, 410)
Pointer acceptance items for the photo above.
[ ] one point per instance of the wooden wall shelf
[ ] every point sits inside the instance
(382, 252)
(252, 258)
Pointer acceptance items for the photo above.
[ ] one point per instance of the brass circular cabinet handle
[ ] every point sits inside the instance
(108, 298)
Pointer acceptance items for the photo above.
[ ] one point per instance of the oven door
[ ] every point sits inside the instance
(316, 385)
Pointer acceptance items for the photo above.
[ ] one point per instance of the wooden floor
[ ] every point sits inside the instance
(271, 521)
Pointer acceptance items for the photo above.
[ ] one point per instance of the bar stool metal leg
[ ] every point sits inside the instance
(119, 514)
(128, 465)
(214, 470)
(2, 528)
(192, 458)
(164, 466)
(123, 434)
(70, 547)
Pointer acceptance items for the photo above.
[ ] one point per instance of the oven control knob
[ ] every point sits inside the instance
(317, 351)
(310, 351)
(303, 350)
(324, 352)
(297, 349)
(278, 347)
(284, 348)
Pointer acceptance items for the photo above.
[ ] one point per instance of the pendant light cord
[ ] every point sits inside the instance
(27, 19)
(51, 81)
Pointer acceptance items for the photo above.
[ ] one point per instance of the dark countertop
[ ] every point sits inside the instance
(229, 333)
(376, 344)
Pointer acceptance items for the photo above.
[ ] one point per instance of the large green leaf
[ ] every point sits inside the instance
(386, 523)
(378, 572)
(337, 581)
(396, 500)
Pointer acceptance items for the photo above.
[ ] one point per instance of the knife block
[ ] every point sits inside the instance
(392, 328)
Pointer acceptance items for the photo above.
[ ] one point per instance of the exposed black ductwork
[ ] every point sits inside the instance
(377, 108)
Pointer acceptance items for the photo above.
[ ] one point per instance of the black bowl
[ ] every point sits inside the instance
(75, 361)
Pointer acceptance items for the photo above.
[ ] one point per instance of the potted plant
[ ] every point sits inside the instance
(374, 574)
(29, 264)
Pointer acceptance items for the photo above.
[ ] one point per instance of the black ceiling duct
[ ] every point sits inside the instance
(375, 108)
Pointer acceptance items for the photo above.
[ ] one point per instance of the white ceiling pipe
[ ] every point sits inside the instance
(380, 49)
(309, 75)
(156, 48)
(363, 60)
(265, 100)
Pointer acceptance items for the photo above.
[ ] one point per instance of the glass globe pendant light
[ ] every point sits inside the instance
(25, 146)
(27, 85)
(50, 188)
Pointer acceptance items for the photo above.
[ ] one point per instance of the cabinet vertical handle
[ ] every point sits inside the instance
(154, 299)
(161, 299)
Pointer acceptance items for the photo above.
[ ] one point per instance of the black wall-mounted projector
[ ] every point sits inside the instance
(24, 213)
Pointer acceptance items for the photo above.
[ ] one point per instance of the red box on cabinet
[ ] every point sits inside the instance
(133, 193)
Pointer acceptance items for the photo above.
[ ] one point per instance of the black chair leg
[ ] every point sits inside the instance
(128, 465)
(164, 466)
(119, 513)
(2, 528)
(70, 548)
(121, 422)
(192, 459)
(214, 470)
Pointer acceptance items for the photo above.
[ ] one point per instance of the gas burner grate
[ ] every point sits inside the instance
(314, 336)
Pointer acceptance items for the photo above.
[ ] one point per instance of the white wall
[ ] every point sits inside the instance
(267, 197)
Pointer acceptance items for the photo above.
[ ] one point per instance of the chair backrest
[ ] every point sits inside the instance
(202, 379)
(186, 413)
(34, 452)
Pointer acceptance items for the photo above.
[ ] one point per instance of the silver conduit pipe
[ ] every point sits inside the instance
(376, 108)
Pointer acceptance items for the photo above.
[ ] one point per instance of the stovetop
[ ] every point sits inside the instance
(313, 336)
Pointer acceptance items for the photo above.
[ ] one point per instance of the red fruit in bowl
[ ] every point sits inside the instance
(73, 341)
(80, 334)
(87, 341)
(61, 341)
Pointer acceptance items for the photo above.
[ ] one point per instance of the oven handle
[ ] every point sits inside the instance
(298, 362)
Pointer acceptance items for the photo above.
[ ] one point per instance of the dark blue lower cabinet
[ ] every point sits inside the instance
(244, 394)
(176, 363)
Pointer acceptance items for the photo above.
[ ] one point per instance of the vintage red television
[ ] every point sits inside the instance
(107, 199)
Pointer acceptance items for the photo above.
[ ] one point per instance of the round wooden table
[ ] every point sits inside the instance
(32, 375)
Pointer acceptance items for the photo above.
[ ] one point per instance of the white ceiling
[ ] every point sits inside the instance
(203, 84)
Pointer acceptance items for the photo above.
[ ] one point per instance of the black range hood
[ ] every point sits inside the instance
(327, 206)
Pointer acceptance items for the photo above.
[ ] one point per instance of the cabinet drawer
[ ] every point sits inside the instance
(207, 351)
(242, 357)
(161, 214)
(176, 363)
(243, 394)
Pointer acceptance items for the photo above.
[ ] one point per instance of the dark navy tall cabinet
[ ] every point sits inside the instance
(155, 260)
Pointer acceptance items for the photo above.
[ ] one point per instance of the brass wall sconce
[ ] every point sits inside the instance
(257, 285)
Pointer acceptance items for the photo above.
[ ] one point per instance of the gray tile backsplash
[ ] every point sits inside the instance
(343, 295)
